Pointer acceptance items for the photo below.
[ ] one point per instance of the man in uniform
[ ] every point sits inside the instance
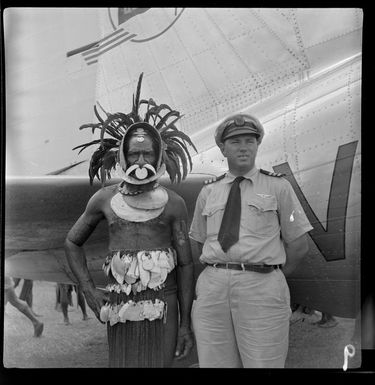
(251, 231)
(149, 265)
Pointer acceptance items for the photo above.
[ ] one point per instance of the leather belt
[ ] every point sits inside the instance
(245, 267)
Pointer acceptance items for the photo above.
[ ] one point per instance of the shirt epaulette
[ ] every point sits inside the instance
(270, 173)
(214, 179)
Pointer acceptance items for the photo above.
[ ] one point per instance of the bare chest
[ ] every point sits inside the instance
(137, 230)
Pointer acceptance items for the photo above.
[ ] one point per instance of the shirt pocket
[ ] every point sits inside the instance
(261, 216)
(214, 214)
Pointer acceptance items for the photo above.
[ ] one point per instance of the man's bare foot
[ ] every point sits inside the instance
(330, 323)
(296, 315)
(38, 329)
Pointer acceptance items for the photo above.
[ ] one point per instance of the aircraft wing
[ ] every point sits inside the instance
(39, 212)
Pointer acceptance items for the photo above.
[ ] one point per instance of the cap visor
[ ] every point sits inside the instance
(242, 131)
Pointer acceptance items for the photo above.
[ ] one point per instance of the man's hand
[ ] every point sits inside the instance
(185, 342)
(95, 299)
(295, 252)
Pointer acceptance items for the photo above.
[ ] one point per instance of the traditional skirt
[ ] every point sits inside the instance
(137, 307)
(63, 295)
(26, 293)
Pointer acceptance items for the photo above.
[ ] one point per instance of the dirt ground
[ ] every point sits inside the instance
(83, 344)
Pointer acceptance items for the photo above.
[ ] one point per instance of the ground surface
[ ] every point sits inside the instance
(83, 344)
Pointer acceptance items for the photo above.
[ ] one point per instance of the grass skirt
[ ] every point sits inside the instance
(137, 344)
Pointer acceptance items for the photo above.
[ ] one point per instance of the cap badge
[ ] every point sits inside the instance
(239, 121)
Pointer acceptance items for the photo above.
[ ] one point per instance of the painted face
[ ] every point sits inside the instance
(140, 157)
(240, 152)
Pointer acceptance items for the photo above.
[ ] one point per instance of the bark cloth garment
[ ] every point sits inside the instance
(139, 282)
(63, 295)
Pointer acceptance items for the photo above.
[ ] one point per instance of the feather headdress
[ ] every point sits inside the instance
(174, 149)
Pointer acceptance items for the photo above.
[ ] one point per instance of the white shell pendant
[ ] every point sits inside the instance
(141, 173)
(104, 313)
(124, 211)
(148, 200)
(147, 262)
(118, 268)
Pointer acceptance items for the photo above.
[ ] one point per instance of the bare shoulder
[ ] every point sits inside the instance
(174, 198)
(106, 191)
(101, 198)
(176, 204)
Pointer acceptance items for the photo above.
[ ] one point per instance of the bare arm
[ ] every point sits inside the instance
(199, 247)
(76, 257)
(295, 252)
(185, 280)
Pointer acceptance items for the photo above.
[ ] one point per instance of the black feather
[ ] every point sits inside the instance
(163, 121)
(172, 167)
(106, 113)
(170, 126)
(175, 164)
(137, 97)
(109, 160)
(97, 115)
(184, 147)
(155, 110)
(93, 126)
(181, 135)
(107, 142)
(176, 149)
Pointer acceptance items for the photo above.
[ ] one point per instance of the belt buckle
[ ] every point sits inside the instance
(243, 267)
(214, 265)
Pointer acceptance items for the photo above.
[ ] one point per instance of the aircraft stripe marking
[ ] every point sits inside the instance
(329, 241)
(108, 49)
(99, 49)
(88, 48)
(120, 30)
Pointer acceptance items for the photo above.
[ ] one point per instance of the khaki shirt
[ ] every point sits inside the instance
(270, 214)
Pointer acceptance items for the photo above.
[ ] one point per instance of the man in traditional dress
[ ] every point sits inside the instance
(26, 293)
(64, 300)
(11, 297)
(148, 298)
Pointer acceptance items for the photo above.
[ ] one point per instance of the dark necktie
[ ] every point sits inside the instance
(230, 224)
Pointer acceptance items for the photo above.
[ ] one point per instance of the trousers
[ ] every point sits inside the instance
(241, 318)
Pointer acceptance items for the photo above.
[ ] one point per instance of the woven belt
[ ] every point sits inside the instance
(246, 267)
